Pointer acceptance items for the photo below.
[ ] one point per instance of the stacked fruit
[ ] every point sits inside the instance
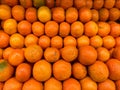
(59, 45)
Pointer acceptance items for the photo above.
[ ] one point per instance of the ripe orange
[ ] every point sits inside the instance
(117, 4)
(44, 41)
(32, 84)
(77, 29)
(33, 53)
(117, 43)
(87, 55)
(1, 53)
(62, 70)
(109, 3)
(51, 28)
(71, 84)
(4, 39)
(64, 29)
(26, 3)
(103, 14)
(89, 3)
(70, 41)
(66, 3)
(24, 27)
(79, 3)
(9, 2)
(98, 4)
(95, 15)
(50, 3)
(42, 70)
(116, 52)
(79, 71)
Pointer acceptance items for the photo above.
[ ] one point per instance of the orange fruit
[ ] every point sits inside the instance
(18, 12)
(30, 40)
(51, 54)
(87, 55)
(85, 14)
(103, 14)
(117, 39)
(88, 84)
(32, 84)
(96, 41)
(71, 84)
(79, 3)
(31, 14)
(77, 29)
(10, 26)
(4, 39)
(44, 41)
(66, 3)
(26, 3)
(91, 28)
(52, 84)
(98, 4)
(9, 2)
(16, 40)
(98, 71)
(6, 70)
(1, 85)
(57, 42)
(1, 53)
(33, 53)
(116, 52)
(50, 3)
(64, 29)
(103, 54)
(95, 15)
(42, 70)
(108, 42)
(69, 53)
(79, 71)
(70, 41)
(117, 4)
(58, 14)
(107, 85)
(38, 28)
(103, 29)
(83, 41)
(12, 84)
(89, 3)
(62, 70)
(5, 12)
(23, 72)
(51, 28)
(109, 3)
(24, 27)
(38, 3)
(71, 14)
(117, 83)
(113, 66)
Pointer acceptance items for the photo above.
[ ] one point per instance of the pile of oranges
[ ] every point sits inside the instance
(59, 45)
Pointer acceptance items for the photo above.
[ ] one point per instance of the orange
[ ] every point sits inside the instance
(58, 14)
(98, 71)
(103, 54)
(77, 29)
(6, 70)
(88, 84)
(24, 27)
(71, 84)
(87, 55)
(116, 52)
(98, 4)
(117, 4)
(70, 41)
(31, 14)
(83, 41)
(12, 84)
(1, 85)
(38, 28)
(50, 3)
(108, 42)
(57, 42)
(69, 53)
(52, 84)
(79, 3)
(23, 72)
(44, 41)
(10, 26)
(117, 39)
(85, 14)
(51, 28)
(64, 29)
(95, 15)
(33, 53)
(117, 83)
(26, 3)
(71, 14)
(51, 54)
(9, 2)
(38, 3)
(18, 12)
(42, 70)
(113, 66)
(91, 28)
(5, 12)
(103, 14)
(30, 40)
(107, 85)
(96, 41)
(16, 40)
(1, 53)
(32, 84)
(89, 3)
(62, 70)
(79, 71)
(66, 3)
(103, 29)
(109, 3)
(4, 39)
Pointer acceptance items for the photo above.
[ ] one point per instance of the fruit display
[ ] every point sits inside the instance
(59, 44)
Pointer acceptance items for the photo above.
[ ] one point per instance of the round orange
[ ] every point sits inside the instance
(70, 41)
